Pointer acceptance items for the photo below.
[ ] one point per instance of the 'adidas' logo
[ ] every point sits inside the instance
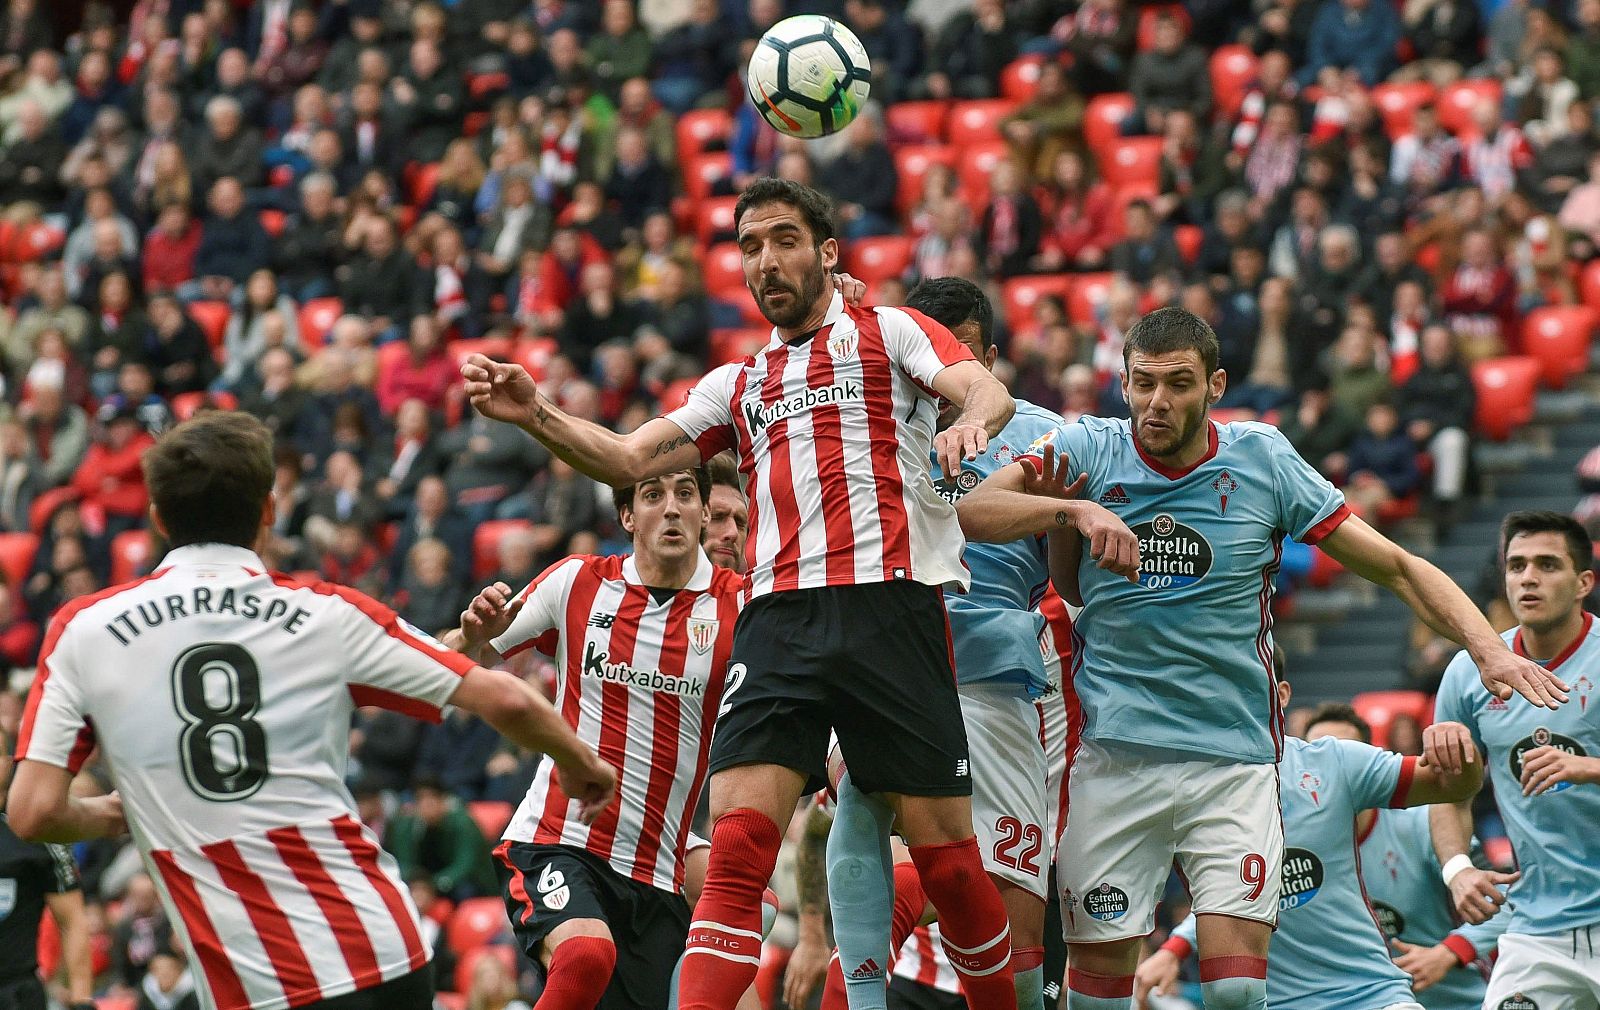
(1115, 496)
(867, 969)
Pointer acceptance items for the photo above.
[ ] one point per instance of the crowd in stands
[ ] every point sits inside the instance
(1389, 212)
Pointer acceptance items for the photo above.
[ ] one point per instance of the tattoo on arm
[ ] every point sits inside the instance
(662, 448)
(543, 416)
(1061, 517)
(810, 865)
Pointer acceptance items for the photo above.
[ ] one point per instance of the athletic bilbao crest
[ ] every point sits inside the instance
(702, 636)
(843, 346)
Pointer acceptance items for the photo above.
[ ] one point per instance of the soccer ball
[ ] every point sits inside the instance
(809, 76)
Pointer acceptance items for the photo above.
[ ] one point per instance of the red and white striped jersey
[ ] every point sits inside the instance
(220, 694)
(833, 435)
(922, 959)
(640, 680)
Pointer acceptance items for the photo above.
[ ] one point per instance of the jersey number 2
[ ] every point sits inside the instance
(1017, 833)
(216, 688)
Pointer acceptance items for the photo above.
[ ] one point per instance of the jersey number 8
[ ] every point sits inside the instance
(216, 688)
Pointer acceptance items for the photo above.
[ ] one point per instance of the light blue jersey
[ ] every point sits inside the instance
(1556, 834)
(1328, 952)
(1413, 904)
(1182, 661)
(994, 626)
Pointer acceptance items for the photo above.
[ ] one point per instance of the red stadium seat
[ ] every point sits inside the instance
(1589, 284)
(916, 122)
(498, 348)
(272, 222)
(722, 268)
(1147, 22)
(873, 259)
(45, 505)
(1457, 102)
(675, 394)
(16, 557)
(912, 163)
(1021, 294)
(468, 964)
(730, 345)
(974, 165)
(977, 120)
(317, 317)
(713, 219)
(421, 180)
(130, 552)
(1398, 102)
(1379, 709)
(476, 924)
(1559, 338)
(212, 318)
(1188, 238)
(491, 816)
(1233, 67)
(484, 86)
(117, 1001)
(450, 1000)
(534, 355)
(385, 536)
(1020, 78)
(1499, 852)
(1506, 388)
(473, 123)
(186, 405)
(1131, 160)
(486, 544)
(1324, 569)
(701, 130)
(703, 172)
(1103, 119)
(1089, 292)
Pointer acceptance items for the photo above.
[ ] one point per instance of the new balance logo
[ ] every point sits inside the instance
(866, 970)
(602, 620)
(1115, 496)
(962, 768)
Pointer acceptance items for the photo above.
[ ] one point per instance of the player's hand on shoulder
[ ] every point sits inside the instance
(1505, 673)
(590, 781)
(1157, 974)
(500, 391)
(853, 290)
(1048, 478)
(489, 615)
(1546, 767)
(1448, 747)
(1426, 965)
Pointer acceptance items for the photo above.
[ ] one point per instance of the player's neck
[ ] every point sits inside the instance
(666, 573)
(1545, 644)
(1191, 452)
(813, 320)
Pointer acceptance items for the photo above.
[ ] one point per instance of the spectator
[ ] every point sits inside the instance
(1564, 162)
(1101, 36)
(493, 987)
(1583, 51)
(344, 498)
(456, 289)
(233, 245)
(863, 179)
(106, 256)
(516, 226)
(1382, 462)
(425, 372)
(638, 109)
(1011, 227)
(168, 983)
(415, 456)
(111, 478)
(679, 312)
(276, 399)
(488, 461)
(1193, 170)
(461, 175)
(99, 206)
(431, 99)
(1356, 35)
(1498, 157)
(1356, 373)
(1427, 159)
(439, 840)
(517, 558)
(30, 166)
(175, 349)
(20, 477)
(1268, 376)
(24, 29)
(228, 148)
(1294, 247)
(1391, 266)
(1480, 300)
(140, 932)
(972, 50)
(170, 249)
(380, 281)
(136, 390)
(118, 327)
(1543, 96)
(639, 185)
(262, 317)
(299, 61)
(561, 503)
(51, 311)
(620, 51)
(309, 252)
(1320, 430)
(1229, 229)
(431, 595)
(1145, 250)
(951, 230)
(1274, 157)
(51, 348)
(433, 516)
(386, 749)
(1332, 279)
(1446, 37)
(233, 80)
(348, 558)
(1440, 402)
(103, 153)
(892, 43)
(1046, 124)
(1172, 74)
(597, 316)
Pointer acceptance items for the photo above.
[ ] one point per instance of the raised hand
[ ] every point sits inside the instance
(500, 391)
(489, 614)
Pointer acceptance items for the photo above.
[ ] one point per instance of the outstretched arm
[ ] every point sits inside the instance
(1446, 782)
(1442, 605)
(506, 392)
(985, 405)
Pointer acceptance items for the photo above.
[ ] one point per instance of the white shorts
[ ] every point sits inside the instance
(1053, 731)
(1557, 972)
(1008, 776)
(1131, 814)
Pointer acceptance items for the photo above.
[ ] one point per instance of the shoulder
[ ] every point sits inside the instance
(726, 583)
(1030, 422)
(1250, 435)
(88, 608)
(894, 319)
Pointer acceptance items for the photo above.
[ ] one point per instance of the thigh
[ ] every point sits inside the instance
(545, 886)
(1008, 782)
(892, 691)
(1116, 846)
(1537, 973)
(1230, 839)
(648, 947)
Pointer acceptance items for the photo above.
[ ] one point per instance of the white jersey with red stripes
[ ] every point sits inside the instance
(833, 434)
(220, 694)
(922, 959)
(1060, 715)
(640, 679)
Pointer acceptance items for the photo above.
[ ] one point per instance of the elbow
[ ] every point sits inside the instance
(510, 704)
(27, 817)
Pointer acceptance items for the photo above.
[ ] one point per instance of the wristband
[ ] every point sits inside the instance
(1454, 865)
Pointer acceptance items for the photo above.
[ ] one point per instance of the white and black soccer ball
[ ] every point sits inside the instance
(809, 76)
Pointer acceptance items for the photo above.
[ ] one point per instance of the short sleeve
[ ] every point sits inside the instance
(1453, 703)
(1070, 440)
(919, 346)
(55, 727)
(706, 414)
(538, 623)
(1372, 776)
(392, 664)
(1309, 506)
(63, 870)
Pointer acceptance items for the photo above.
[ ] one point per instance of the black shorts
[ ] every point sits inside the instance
(411, 991)
(870, 662)
(546, 885)
(25, 993)
(905, 994)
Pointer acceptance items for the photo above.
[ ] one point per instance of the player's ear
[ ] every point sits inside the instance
(1218, 384)
(1586, 581)
(829, 250)
(990, 355)
(625, 517)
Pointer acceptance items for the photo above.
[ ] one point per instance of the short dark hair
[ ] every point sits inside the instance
(812, 205)
(622, 497)
(1170, 330)
(952, 301)
(723, 471)
(1335, 711)
(1579, 547)
(209, 479)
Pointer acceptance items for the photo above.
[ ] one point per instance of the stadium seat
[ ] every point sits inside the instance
(1457, 102)
(272, 221)
(1089, 292)
(212, 318)
(1506, 388)
(450, 1000)
(977, 120)
(1589, 285)
(974, 164)
(1147, 22)
(1499, 852)
(1379, 709)
(491, 816)
(1559, 337)
(45, 505)
(731, 344)
(1324, 569)
(1188, 238)
(473, 123)
(117, 1001)
(186, 405)
(676, 393)
(1398, 102)
(16, 557)
(1103, 119)
(27, 242)
(484, 86)
(1021, 294)
(535, 354)
(1020, 78)
(421, 180)
(702, 173)
(130, 551)
(385, 536)
(916, 122)
(468, 963)
(911, 164)
(701, 130)
(486, 544)
(1233, 68)
(498, 348)
(873, 259)
(713, 219)
(722, 270)
(1131, 160)
(317, 317)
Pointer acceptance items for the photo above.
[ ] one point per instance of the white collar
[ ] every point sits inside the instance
(213, 554)
(699, 582)
(835, 310)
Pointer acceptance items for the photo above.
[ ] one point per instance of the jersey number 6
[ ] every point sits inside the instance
(216, 688)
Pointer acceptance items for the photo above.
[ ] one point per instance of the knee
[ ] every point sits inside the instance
(590, 958)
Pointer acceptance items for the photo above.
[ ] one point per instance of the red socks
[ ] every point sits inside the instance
(724, 948)
(910, 901)
(972, 921)
(579, 971)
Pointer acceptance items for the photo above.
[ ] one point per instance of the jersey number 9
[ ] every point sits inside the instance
(216, 688)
